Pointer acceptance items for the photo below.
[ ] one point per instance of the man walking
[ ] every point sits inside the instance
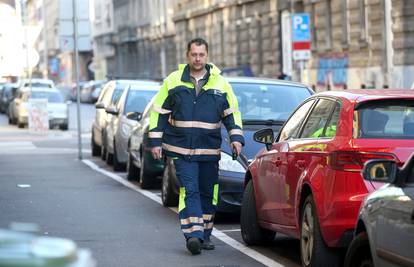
(185, 123)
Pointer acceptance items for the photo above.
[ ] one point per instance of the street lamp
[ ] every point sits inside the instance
(75, 42)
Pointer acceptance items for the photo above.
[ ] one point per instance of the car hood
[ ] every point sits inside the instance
(251, 147)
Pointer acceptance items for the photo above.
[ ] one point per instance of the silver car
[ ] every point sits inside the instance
(56, 106)
(125, 116)
(110, 94)
(385, 228)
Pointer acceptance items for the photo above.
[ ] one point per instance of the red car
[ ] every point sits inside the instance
(307, 183)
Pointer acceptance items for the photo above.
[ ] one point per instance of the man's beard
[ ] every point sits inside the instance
(198, 67)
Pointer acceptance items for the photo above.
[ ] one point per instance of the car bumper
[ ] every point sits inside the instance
(231, 191)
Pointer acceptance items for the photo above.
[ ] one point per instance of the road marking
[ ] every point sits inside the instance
(216, 233)
(23, 185)
(39, 150)
(230, 230)
(15, 145)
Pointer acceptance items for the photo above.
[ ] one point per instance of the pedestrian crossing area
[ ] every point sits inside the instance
(51, 143)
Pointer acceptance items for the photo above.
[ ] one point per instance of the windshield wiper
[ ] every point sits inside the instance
(266, 122)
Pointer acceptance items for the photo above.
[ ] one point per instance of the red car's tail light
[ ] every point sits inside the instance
(353, 161)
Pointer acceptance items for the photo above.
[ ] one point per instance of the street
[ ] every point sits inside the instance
(44, 182)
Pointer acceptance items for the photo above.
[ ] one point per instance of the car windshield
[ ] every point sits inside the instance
(52, 97)
(268, 101)
(118, 92)
(137, 100)
(386, 119)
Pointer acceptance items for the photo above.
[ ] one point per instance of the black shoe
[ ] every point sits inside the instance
(207, 245)
(194, 245)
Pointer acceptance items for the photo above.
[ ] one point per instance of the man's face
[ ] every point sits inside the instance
(197, 57)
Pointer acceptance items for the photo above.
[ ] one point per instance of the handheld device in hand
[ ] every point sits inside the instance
(234, 154)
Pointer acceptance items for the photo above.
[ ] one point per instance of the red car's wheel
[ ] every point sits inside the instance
(313, 250)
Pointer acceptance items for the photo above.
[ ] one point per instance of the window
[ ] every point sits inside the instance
(328, 25)
(389, 119)
(345, 22)
(330, 130)
(363, 23)
(292, 126)
(137, 100)
(315, 126)
(261, 101)
(52, 97)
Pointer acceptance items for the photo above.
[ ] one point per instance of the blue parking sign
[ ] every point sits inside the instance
(301, 28)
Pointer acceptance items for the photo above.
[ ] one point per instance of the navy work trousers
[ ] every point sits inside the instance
(198, 196)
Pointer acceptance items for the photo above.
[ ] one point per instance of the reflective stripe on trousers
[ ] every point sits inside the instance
(198, 196)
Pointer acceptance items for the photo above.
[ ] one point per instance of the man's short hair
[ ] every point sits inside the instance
(198, 42)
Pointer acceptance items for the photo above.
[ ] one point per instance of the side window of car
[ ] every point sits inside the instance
(292, 126)
(333, 122)
(108, 94)
(315, 125)
(103, 93)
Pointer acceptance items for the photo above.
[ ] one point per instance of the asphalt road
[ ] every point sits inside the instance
(120, 223)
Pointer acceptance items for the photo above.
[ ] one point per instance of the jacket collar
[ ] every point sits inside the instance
(185, 77)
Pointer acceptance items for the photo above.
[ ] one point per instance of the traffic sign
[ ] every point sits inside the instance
(301, 36)
(301, 28)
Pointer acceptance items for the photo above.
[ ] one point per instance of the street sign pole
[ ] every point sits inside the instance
(301, 69)
(75, 41)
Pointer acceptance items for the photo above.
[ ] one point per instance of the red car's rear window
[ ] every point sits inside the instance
(390, 119)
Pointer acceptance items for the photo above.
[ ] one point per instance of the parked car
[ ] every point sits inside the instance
(141, 166)
(90, 91)
(384, 231)
(74, 90)
(126, 113)
(307, 183)
(96, 90)
(56, 107)
(14, 104)
(7, 95)
(110, 94)
(262, 102)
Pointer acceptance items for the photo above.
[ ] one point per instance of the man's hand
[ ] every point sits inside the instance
(236, 147)
(156, 152)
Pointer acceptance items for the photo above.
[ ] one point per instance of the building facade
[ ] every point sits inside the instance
(359, 43)
(55, 42)
(355, 43)
(240, 32)
(103, 39)
(141, 41)
(12, 62)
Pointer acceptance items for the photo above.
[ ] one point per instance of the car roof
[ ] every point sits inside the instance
(145, 87)
(36, 80)
(40, 89)
(259, 80)
(362, 95)
(149, 82)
